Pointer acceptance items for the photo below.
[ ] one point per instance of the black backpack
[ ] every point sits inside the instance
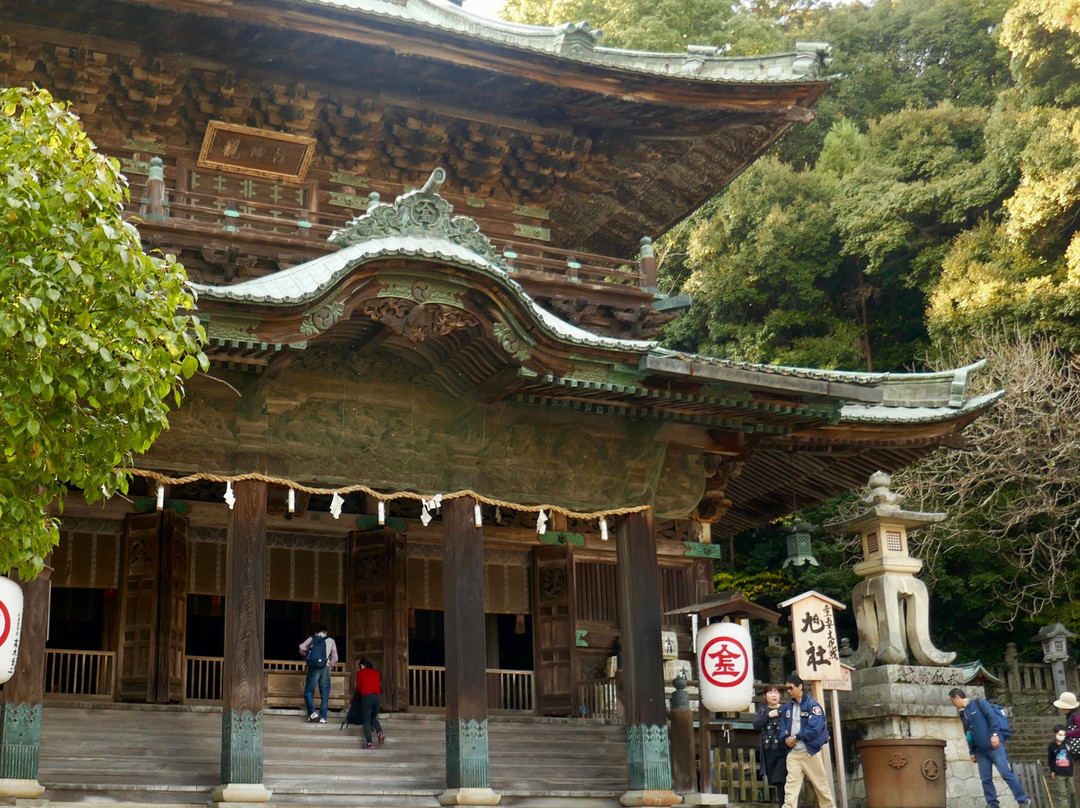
(316, 655)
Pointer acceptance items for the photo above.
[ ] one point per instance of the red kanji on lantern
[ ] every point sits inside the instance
(724, 662)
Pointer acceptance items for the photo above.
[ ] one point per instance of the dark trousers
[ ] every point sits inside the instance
(369, 714)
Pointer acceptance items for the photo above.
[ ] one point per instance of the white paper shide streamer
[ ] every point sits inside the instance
(428, 507)
(336, 503)
(230, 497)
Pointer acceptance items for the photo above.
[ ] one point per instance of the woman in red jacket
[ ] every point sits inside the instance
(369, 686)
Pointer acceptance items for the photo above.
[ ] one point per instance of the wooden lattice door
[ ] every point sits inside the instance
(153, 608)
(554, 618)
(377, 611)
(172, 619)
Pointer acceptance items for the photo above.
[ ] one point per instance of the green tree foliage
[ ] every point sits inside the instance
(889, 56)
(767, 276)
(1023, 268)
(660, 25)
(94, 344)
(1012, 498)
(830, 266)
(923, 176)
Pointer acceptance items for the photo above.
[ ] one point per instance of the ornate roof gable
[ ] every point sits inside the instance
(418, 212)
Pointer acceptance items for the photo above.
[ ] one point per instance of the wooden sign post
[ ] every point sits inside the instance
(817, 661)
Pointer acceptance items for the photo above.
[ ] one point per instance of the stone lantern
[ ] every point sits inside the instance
(1055, 644)
(891, 605)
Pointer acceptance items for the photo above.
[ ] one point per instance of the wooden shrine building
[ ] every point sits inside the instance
(437, 418)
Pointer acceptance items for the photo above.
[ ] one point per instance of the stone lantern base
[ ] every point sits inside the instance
(908, 701)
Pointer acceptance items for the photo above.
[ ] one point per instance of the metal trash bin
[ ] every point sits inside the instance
(903, 772)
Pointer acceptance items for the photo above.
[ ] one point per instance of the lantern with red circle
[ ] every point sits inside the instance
(726, 667)
(11, 612)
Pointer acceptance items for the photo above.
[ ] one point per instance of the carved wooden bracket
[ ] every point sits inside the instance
(418, 321)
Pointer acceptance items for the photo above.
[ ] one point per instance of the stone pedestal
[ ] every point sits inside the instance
(697, 798)
(908, 701)
(659, 797)
(21, 788)
(468, 796)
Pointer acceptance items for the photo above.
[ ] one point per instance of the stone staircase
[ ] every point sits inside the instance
(132, 755)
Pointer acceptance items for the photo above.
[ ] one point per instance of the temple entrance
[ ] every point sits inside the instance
(508, 642)
(81, 658)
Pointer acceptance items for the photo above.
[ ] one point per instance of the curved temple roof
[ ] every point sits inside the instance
(768, 439)
(579, 41)
(420, 227)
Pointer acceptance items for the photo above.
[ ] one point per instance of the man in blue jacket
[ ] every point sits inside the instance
(804, 731)
(987, 749)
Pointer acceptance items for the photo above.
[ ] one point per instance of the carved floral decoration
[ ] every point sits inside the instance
(418, 321)
(418, 212)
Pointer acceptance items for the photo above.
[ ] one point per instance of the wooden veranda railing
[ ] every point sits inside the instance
(298, 226)
(202, 678)
(599, 698)
(203, 675)
(735, 773)
(91, 674)
(508, 690)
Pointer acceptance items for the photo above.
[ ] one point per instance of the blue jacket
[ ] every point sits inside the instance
(980, 721)
(814, 732)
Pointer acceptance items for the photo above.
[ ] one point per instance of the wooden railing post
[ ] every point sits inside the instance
(156, 200)
(648, 265)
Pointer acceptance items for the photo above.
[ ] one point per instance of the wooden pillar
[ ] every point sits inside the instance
(24, 692)
(242, 675)
(638, 592)
(683, 768)
(467, 763)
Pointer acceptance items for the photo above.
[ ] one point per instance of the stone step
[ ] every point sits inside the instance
(125, 755)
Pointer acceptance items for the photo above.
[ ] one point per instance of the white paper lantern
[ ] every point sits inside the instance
(726, 665)
(11, 612)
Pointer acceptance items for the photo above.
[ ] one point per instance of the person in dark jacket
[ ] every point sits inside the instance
(987, 749)
(1060, 763)
(1070, 713)
(805, 732)
(772, 751)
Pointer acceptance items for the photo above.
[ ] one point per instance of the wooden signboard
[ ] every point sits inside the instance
(258, 153)
(817, 652)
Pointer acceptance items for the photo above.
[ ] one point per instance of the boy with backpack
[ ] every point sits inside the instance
(320, 652)
(1060, 762)
(987, 729)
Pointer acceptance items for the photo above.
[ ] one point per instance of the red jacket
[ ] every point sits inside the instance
(368, 681)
